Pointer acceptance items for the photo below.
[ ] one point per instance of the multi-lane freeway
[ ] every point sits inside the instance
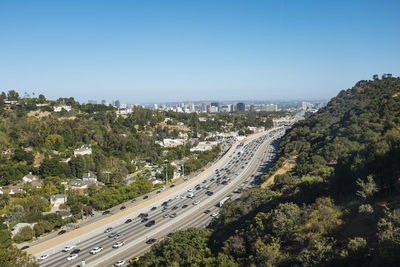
(194, 204)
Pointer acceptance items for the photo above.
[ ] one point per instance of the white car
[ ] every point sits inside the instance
(190, 190)
(196, 202)
(72, 257)
(68, 248)
(119, 263)
(177, 197)
(43, 257)
(214, 214)
(96, 250)
(118, 244)
(183, 196)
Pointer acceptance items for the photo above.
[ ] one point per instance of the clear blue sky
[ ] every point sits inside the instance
(158, 51)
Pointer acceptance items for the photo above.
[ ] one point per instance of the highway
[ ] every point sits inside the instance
(241, 166)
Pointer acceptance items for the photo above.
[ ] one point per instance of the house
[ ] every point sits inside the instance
(78, 185)
(89, 178)
(19, 226)
(63, 107)
(12, 189)
(83, 150)
(32, 179)
(167, 142)
(65, 214)
(58, 199)
(204, 146)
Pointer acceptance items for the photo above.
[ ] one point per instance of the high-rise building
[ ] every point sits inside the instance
(117, 103)
(252, 108)
(155, 106)
(94, 102)
(272, 107)
(203, 107)
(240, 106)
(104, 102)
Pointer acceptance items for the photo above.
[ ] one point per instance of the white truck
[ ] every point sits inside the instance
(223, 201)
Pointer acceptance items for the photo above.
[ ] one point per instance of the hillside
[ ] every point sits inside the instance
(338, 206)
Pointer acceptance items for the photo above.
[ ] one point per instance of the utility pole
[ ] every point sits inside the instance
(166, 172)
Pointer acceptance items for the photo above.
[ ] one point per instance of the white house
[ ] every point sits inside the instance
(58, 199)
(204, 146)
(89, 178)
(60, 108)
(32, 179)
(83, 150)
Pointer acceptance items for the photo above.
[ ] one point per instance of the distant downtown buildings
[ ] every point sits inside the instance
(210, 107)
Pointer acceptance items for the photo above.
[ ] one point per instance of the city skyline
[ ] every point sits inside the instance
(170, 52)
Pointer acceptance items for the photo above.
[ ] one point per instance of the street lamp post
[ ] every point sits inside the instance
(166, 172)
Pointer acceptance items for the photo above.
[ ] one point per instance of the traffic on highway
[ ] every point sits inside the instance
(117, 242)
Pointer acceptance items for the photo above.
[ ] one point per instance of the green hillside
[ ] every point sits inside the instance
(339, 205)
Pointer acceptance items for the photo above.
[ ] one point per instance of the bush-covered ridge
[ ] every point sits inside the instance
(339, 206)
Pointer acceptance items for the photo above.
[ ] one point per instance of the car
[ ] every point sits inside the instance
(166, 215)
(185, 179)
(62, 232)
(198, 188)
(144, 219)
(146, 215)
(205, 181)
(133, 201)
(75, 251)
(112, 234)
(177, 196)
(145, 197)
(119, 263)
(153, 208)
(209, 193)
(184, 206)
(43, 257)
(172, 185)
(207, 211)
(190, 190)
(173, 215)
(96, 250)
(170, 234)
(141, 215)
(158, 192)
(212, 180)
(162, 188)
(128, 221)
(151, 241)
(183, 196)
(196, 202)
(174, 207)
(122, 208)
(117, 236)
(214, 214)
(67, 248)
(150, 223)
(106, 212)
(135, 259)
(24, 247)
(108, 230)
(72, 257)
(118, 244)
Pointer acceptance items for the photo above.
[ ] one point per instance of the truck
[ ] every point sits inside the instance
(223, 201)
(190, 195)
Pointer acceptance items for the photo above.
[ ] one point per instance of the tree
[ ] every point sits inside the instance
(25, 234)
(367, 189)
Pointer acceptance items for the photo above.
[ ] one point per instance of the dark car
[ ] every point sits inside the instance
(144, 219)
(128, 221)
(150, 223)
(172, 185)
(145, 197)
(153, 208)
(122, 208)
(170, 234)
(184, 206)
(62, 232)
(141, 215)
(151, 241)
(24, 247)
(207, 211)
(165, 203)
(174, 207)
(133, 200)
(75, 251)
(106, 212)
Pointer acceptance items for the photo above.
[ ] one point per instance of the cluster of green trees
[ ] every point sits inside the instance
(339, 206)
